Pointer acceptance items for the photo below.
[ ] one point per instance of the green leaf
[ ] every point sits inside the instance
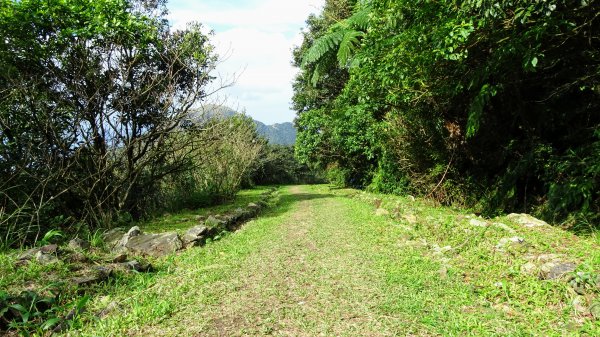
(19, 308)
(534, 61)
(348, 46)
(322, 46)
(50, 323)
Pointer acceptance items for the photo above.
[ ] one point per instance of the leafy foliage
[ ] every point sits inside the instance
(277, 164)
(487, 103)
(95, 96)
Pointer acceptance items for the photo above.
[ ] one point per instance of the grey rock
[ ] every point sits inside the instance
(555, 270)
(214, 222)
(526, 220)
(133, 265)
(241, 214)
(528, 268)
(29, 254)
(503, 226)
(113, 236)
(79, 244)
(89, 278)
(194, 235)
(120, 258)
(78, 257)
(478, 223)
(543, 258)
(49, 249)
(133, 231)
(121, 245)
(45, 259)
(253, 206)
(154, 244)
(382, 212)
(137, 266)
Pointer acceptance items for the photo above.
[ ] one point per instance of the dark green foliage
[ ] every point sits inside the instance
(277, 164)
(28, 311)
(495, 101)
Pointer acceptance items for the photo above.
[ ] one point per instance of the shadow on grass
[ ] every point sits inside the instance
(287, 201)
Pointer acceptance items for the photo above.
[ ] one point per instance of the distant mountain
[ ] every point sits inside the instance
(278, 133)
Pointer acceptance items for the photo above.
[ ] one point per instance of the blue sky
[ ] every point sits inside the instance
(255, 39)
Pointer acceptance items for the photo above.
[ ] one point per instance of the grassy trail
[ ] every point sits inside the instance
(316, 265)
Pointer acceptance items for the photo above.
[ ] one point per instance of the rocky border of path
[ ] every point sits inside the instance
(135, 242)
(125, 252)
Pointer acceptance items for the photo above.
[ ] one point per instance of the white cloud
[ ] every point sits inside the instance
(257, 37)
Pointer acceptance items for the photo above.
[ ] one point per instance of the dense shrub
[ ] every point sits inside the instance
(484, 103)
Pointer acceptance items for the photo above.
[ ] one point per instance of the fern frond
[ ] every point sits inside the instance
(360, 19)
(316, 75)
(322, 46)
(348, 46)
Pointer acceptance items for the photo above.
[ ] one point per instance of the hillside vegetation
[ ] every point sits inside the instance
(484, 103)
(99, 119)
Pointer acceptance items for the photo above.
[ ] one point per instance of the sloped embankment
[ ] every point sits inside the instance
(515, 264)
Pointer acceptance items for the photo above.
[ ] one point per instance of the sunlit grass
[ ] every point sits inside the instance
(185, 219)
(323, 264)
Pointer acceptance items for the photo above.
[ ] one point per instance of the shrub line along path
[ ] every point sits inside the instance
(315, 265)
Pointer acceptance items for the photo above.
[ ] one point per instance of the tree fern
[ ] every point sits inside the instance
(360, 19)
(347, 46)
(322, 46)
(343, 38)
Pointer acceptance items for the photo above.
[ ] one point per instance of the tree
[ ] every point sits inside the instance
(93, 93)
(485, 103)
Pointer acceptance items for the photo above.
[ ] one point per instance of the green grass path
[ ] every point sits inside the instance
(316, 265)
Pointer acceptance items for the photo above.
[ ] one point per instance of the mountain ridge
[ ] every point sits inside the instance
(277, 133)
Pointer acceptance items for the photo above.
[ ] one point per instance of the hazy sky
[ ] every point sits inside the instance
(257, 37)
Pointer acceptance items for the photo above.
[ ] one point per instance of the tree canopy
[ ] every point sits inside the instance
(489, 104)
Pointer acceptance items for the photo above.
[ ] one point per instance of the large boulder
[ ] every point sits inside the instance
(113, 236)
(154, 244)
(120, 245)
